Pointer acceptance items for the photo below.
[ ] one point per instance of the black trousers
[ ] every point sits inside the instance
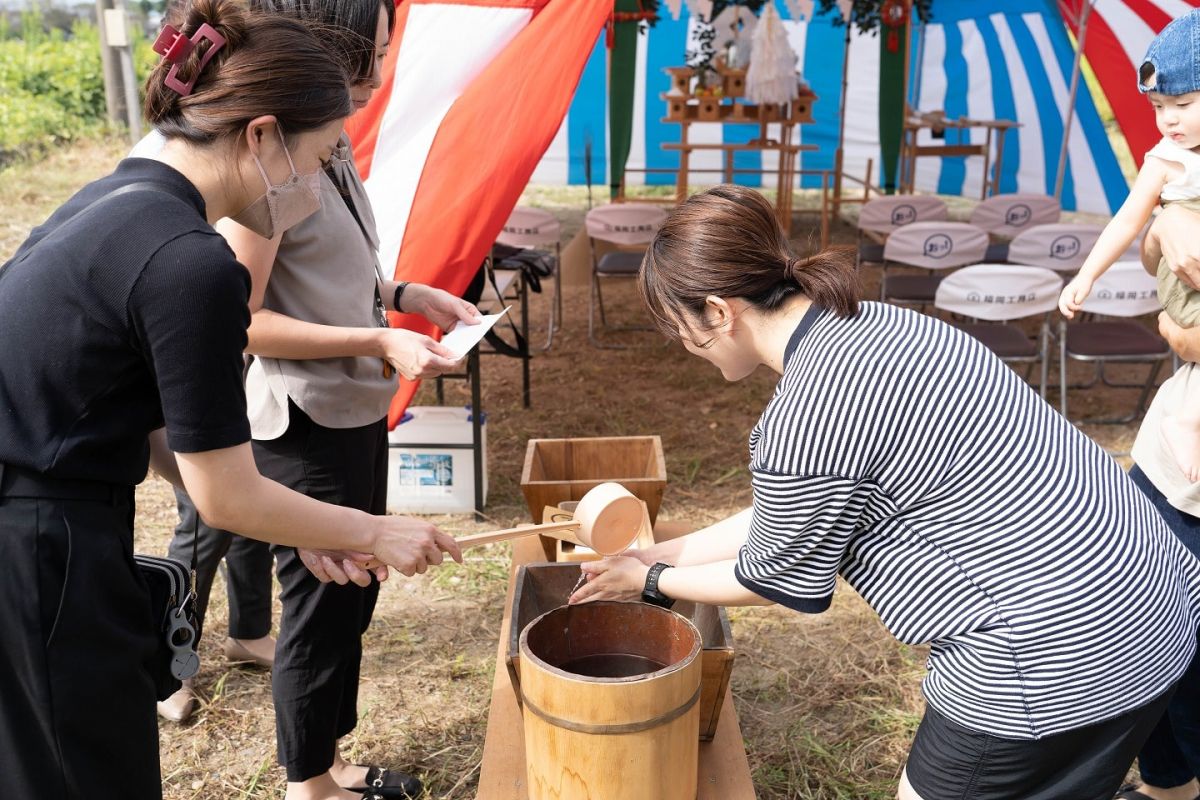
(319, 649)
(247, 574)
(1171, 756)
(950, 762)
(77, 719)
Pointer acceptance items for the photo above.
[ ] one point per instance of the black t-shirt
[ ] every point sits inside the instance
(130, 317)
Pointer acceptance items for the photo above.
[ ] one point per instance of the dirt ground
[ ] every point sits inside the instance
(828, 703)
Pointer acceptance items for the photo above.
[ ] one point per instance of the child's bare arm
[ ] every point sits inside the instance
(1117, 236)
(1127, 223)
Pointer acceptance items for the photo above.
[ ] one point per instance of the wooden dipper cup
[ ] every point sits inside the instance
(607, 520)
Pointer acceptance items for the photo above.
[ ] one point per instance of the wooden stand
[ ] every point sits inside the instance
(910, 151)
(723, 771)
(686, 108)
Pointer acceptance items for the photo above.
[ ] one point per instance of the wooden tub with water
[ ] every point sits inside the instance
(610, 698)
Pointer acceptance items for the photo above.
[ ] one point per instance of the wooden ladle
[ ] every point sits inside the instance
(607, 520)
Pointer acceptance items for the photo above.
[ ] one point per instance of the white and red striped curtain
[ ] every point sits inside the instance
(1118, 34)
(472, 95)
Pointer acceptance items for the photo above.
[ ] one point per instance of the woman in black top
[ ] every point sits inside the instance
(124, 320)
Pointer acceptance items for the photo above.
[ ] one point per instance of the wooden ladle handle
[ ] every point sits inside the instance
(476, 539)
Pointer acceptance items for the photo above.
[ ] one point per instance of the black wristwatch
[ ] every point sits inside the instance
(650, 592)
(400, 287)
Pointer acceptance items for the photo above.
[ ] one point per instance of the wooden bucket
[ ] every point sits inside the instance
(597, 723)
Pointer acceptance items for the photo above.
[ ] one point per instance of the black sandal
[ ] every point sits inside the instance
(386, 784)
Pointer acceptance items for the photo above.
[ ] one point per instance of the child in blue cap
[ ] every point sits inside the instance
(1170, 77)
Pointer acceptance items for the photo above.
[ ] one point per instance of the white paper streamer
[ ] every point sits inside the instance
(771, 77)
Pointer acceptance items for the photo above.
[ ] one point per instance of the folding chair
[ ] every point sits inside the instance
(1006, 215)
(1062, 247)
(881, 216)
(1125, 290)
(536, 229)
(931, 246)
(991, 296)
(622, 224)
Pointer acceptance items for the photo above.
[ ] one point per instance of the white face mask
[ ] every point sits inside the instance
(285, 205)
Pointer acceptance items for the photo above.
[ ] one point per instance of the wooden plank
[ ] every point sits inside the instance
(947, 150)
(724, 773)
(502, 773)
(790, 148)
(716, 667)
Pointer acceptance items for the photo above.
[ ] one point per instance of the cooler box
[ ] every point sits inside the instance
(431, 466)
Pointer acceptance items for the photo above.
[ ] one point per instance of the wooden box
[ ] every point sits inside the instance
(801, 109)
(557, 470)
(769, 112)
(681, 79)
(735, 82)
(542, 587)
(678, 109)
(709, 109)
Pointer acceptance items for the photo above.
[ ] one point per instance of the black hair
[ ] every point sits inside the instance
(357, 18)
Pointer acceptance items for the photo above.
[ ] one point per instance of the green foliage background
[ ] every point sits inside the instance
(51, 84)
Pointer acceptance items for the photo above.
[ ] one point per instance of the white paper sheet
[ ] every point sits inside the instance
(462, 337)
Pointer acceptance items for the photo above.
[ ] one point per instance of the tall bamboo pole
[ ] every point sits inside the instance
(908, 26)
(1080, 26)
(839, 155)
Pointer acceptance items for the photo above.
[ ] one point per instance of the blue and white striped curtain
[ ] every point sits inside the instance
(986, 59)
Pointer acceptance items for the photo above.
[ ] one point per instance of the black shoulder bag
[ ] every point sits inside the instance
(172, 589)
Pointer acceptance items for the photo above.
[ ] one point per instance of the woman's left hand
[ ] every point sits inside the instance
(343, 566)
(439, 307)
(615, 578)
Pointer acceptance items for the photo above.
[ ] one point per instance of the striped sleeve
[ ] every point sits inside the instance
(798, 537)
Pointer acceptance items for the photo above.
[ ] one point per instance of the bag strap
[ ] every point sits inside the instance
(492, 337)
(348, 199)
(90, 209)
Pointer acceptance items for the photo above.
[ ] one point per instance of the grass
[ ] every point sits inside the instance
(828, 703)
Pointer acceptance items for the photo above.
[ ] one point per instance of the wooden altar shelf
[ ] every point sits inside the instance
(687, 105)
(936, 121)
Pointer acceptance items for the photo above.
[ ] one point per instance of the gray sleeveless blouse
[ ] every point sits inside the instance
(325, 272)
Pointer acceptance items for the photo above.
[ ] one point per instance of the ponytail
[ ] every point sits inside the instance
(828, 278)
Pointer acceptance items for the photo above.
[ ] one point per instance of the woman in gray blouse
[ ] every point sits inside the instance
(317, 395)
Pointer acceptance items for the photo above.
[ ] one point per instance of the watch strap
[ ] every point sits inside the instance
(650, 592)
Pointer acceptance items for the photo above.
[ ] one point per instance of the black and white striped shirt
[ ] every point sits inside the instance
(899, 452)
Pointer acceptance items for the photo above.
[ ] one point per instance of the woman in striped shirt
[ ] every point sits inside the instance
(901, 454)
